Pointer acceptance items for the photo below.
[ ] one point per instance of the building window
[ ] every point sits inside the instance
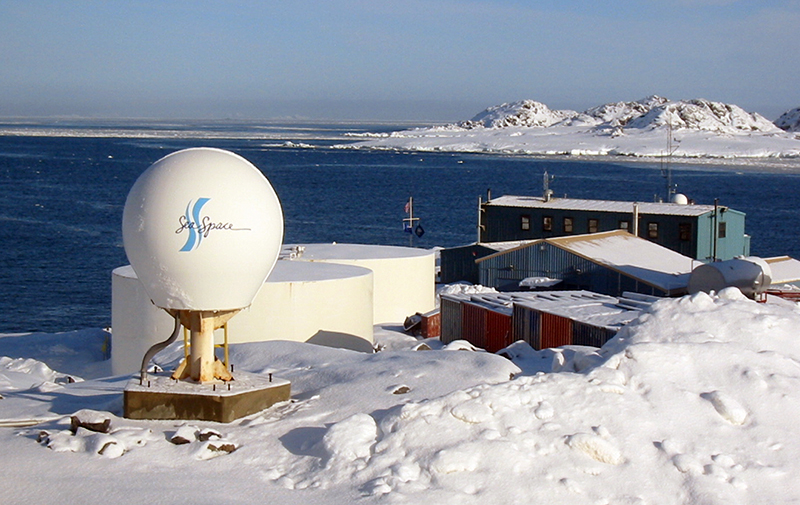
(593, 225)
(547, 223)
(685, 232)
(625, 225)
(723, 230)
(652, 230)
(568, 225)
(525, 223)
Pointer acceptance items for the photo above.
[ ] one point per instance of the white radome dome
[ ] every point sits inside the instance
(202, 229)
(680, 199)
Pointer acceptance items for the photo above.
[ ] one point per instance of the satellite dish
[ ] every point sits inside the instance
(202, 229)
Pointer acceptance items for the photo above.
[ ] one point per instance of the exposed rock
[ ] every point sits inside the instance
(650, 112)
(621, 113)
(700, 114)
(789, 120)
(208, 434)
(227, 447)
(522, 113)
(184, 435)
(90, 420)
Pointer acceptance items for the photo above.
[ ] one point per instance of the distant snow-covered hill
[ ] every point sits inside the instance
(651, 127)
(651, 112)
(528, 113)
(789, 121)
(700, 114)
(621, 113)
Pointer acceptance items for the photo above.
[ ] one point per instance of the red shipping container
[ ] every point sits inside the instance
(473, 324)
(498, 331)
(556, 331)
(431, 325)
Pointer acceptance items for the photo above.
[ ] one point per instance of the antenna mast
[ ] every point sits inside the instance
(546, 191)
(666, 172)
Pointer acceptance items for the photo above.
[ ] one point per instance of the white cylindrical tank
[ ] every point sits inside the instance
(202, 228)
(405, 277)
(136, 324)
(320, 303)
(751, 275)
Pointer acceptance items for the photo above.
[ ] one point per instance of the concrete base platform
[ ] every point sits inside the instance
(164, 398)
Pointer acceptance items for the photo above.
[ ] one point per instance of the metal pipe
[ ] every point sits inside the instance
(716, 227)
(480, 209)
(635, 219)
(227, 354)
(159, 347)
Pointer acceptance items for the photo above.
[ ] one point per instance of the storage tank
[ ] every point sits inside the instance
(303, 302)
(751, 275)
(404, 278)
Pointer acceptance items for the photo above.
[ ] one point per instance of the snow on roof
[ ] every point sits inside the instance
(498, 246)
(637, 257)
(538, 282)
(585, 306)
(289, 271)
(334, 251)
(507, 245)
(619, 250)
(670, 209)
(784, 269)
(308, 271)
(566, 299)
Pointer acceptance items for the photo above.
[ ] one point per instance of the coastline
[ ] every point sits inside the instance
(311, 134)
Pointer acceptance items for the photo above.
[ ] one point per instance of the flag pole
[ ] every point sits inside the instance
(409, 221)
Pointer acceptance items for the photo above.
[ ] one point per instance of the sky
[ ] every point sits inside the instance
(415, 60)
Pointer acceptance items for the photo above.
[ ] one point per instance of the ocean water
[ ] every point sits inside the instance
(61, 199)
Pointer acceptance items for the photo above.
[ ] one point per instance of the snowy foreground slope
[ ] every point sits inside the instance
(696, 402)
(699, 128)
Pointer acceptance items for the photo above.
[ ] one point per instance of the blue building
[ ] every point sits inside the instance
(702, 232)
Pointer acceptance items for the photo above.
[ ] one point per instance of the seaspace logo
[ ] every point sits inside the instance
(199, 227)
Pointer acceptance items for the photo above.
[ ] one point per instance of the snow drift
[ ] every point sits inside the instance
(695, 402)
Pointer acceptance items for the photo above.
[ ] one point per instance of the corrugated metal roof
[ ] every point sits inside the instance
(583, 306)
(670, 209)
(634, 256)
(639, 258)
(508, 245)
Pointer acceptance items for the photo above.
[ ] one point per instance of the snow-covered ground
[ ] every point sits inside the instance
(696, 402)
(642, 129)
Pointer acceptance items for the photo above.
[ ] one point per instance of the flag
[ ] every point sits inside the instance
(407, 207)
(418, 231)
